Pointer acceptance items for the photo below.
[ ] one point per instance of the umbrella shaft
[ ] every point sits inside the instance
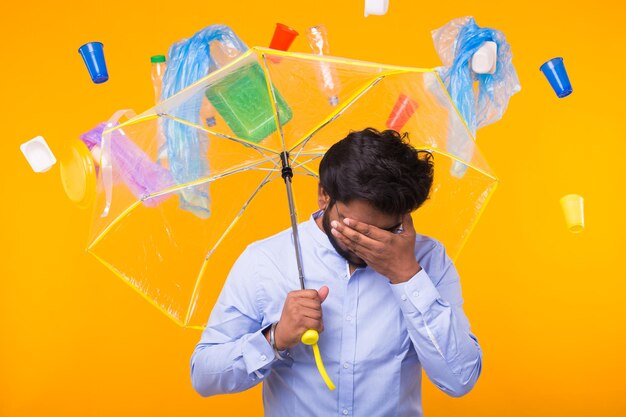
(294, 227)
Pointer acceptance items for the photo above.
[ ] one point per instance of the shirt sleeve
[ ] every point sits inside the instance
(233, 354)
(437, 325)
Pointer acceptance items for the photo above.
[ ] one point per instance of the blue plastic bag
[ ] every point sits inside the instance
(189, 60)
(456, 42)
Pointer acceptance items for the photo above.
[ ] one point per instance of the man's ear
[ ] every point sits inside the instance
(322, 197)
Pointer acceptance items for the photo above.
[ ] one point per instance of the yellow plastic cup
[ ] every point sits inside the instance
(574, 211)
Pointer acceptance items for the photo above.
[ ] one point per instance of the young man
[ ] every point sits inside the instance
(389, 301)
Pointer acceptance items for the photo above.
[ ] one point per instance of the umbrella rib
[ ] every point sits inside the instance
(274, 101)
(211, 179)
(478, 216)
(309, 170)
(127, 211)
(113, 223)
(338, 112)
(301, 164)
(245, 143)
(206, 258)
(340, 60)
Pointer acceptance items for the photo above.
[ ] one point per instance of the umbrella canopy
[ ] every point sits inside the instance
(175, 245)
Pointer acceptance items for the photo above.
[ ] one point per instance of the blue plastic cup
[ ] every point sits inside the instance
(555, 72)
(93, 55)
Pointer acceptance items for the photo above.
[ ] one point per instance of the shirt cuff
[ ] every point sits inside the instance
(418, 293)
(257, 352)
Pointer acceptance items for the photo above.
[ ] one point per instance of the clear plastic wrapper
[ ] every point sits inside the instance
(456, 42)
(484, 103)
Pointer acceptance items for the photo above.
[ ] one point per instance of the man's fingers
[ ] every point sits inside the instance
(353, 236)
(308, 303)
(407, 223)
(323, 293)
(308, 323)
(311, 313)
(308, 294)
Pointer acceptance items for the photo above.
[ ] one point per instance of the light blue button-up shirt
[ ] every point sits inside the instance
(377, 335)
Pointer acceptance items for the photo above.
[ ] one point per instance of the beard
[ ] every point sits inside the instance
(348, 256)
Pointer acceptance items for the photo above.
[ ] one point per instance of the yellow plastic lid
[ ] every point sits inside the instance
(78, 174)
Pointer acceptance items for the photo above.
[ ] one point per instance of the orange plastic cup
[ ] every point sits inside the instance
(402, 112)
(283, 37)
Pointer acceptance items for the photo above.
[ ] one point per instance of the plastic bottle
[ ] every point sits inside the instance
(328, 80)
(157, 72)
(158, 69)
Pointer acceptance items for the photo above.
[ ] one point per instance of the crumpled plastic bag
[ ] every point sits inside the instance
(456, 42)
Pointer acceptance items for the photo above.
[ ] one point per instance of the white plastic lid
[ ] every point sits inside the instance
(38, 154)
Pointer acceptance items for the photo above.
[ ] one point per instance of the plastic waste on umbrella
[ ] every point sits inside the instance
(456, 43)
(158, 65)
(189, 60)
(317, 37)
(402, 111)
(131, 165)
(242, 98)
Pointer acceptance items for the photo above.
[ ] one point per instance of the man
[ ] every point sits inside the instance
(389, 300)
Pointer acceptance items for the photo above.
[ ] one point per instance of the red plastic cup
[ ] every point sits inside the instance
(401, 113)
(283, 37)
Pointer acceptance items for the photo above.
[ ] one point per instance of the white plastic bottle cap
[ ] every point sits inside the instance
(38, 154)
(485, 58)
(377, 7)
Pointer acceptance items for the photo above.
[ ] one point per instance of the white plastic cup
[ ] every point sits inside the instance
(574, 211)
(376, 7)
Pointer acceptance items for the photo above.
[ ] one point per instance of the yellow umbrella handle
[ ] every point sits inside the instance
(310, 337)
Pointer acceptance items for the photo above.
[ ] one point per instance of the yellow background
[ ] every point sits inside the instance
(546, 305)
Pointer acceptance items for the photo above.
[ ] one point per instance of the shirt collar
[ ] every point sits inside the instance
(318, 235)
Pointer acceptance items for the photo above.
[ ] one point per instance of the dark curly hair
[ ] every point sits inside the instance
(381, 168)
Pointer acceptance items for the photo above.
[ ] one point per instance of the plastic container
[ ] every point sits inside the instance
(485, 58)
(377, 7)
(555, 72)
(93, 55)
(573, 207)
(283, 37)
(242, 99)
(38, 154)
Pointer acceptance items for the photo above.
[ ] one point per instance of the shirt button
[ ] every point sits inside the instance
(403, 297)
(348, 318)
(346, 366)
(263, 357)
(345, 412)
(416, 293)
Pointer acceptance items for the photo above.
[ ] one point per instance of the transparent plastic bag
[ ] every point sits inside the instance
(456, 42)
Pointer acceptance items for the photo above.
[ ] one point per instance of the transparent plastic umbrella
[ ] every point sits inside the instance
(277, 114)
